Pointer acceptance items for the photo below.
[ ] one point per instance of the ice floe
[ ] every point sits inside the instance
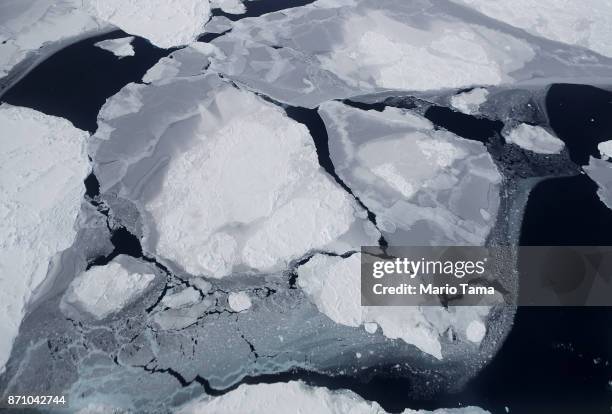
(239, 301)
(229, 6)
(42, 167)
(119, 47)
(605, 149)
(600, 171)
(469, 102)
(426, 186)
(287, 397)
(27, 25)
(104, 290)
(181, 298)
(165, 24)
(534, 138)
(262, 199)
(334, 285)
(568, 21)
(325, 50)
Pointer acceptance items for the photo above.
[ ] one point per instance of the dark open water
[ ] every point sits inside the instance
(555, 360)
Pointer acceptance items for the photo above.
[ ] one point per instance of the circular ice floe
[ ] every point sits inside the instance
(476, 331)
(239, 301)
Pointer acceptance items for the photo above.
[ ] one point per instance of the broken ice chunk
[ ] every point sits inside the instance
(119, 47)
(103, 290)
(601, 172)
(239, 301)
(605, 149)
(476, 331)
(42, 167)
(228, 6)
(333, 284)
(469, 102)
(534, 138)
(284, 397)
(165, 24)
(425, 186)
(185, 297)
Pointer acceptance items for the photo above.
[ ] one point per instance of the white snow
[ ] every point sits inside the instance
(605, 149)
(261, 200)
(239, 301)
(103, 290)
(42, 167)
(333, 284)
(469, 102)
(476, 331)
(569, 21)
(164, 23)
(119, 47)
(534, 138)
(26, 25)
(294, 397)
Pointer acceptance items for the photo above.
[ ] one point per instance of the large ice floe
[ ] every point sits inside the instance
(333, 284)
(567, 21)
(103, 290)
(235, 184)
(27, 25)
(165, 23)
(42, 167)
(285, 397)
(425, 185)
(337, 49)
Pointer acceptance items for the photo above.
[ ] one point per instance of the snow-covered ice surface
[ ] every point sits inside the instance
(119, 47)
(27, 25)
(600, 171)
(469, 102)
(333, 284)
(165, 24)
(534, 138)
(337, 49)
(569, 21)
(605, 149)
(229, 6)
(103, 290)
(42, 167)
(282, 205)
(426, 186)
(285, 397)
(239, 301)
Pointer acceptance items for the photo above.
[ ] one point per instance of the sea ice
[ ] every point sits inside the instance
(27, 25)
(426, 186)
(239, 301)
(285, 397)
(567, 21)
(262, 199)
(119, 47)
(185, 297)
(326, 50)
(228, 6)
(104, 290)
(469, 102)
(600, 171)
(534, 138)
(334, 285)
(165, 24)
(605, 149)
(42, 167)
